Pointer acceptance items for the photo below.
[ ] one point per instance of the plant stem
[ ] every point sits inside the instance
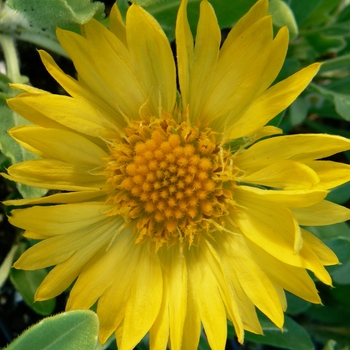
(11, 58)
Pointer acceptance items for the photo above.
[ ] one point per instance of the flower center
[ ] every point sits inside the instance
(172, 179)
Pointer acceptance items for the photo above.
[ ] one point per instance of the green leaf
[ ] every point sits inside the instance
(340, 194)
(324, 43)
(330, 232)
(59, 13)
(329, 321)
(341, 273)
(323, 13)
(145, 2)
(296, 305)
(282, 15)
(75, 330)
(342, 105)
(341, 101)
(227, 12)
(330, 345)
(341, 85)
(27, 282)
(341, 62)
(344, 16)
(303, 9)
(14, 150)
(323, 127)
(283, 340)
(298, 111)
(340, 293)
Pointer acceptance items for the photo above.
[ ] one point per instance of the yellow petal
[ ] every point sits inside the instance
(209, 301)
(269, 225)
(174, 301)
(29, 113)
(184, 50)
(40, 255)
(152, 57)
(55, 175)
(281, 295)
(247, 309)
(293, 279)
(125, 82)
(324, 254)
(234, 85)
(285, 174)
(313, 263)
(62, 276)
(192, 326)
(272, 228)
(98, 273)
(290, 198)
(302, 148)
(212, 258)
(176, 280)
(81, 92)
(256, 12)
(116, 24)
(59, 198)
(275, 54)
(273, 101)
(59, 144)
(60, 219)
(113, 302)
(66, 245)
(206, 52)
(268, 130)
(28, 88)
(323, 213)
(159, 332)
(76, 114)
(93, 75)
(275, 60)
(144, 299)
(331, 174)
(240, 260)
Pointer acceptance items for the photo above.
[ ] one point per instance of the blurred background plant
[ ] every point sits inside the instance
(319, 31)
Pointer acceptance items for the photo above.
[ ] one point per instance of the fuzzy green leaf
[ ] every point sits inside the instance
(70, 330)
(12, 149)
(59, 13)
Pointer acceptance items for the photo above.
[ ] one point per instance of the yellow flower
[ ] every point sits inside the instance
(177, 210)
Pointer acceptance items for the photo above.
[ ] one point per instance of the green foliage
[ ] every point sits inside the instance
(283, 16)
(27, 282)
(60, 13)
(8, 145)
(6, 264)
(282, 339)
(73, 330)
(227, 12)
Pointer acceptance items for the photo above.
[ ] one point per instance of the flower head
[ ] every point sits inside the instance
(175, 212)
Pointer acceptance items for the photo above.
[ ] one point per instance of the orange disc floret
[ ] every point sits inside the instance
(165, 180)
